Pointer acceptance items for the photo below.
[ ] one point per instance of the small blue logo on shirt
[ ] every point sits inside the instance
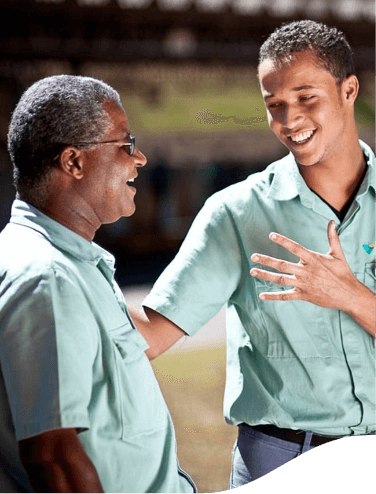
(368, 248)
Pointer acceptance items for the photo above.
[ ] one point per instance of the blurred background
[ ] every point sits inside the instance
(186, 72)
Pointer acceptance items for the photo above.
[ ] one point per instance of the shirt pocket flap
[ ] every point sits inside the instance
(128, 341)
(369, 275)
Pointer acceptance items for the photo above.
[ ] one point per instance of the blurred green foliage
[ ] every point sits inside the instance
(208, 105)
(365, 111)
(200, 112)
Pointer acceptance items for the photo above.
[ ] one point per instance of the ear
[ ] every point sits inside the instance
(71, 162)
(350, 89)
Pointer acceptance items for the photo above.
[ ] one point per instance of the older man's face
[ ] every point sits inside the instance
(109, 168)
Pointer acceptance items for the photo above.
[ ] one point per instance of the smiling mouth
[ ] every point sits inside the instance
(302, 137)
(130, 182)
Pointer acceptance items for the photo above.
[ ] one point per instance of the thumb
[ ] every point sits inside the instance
(334, 242)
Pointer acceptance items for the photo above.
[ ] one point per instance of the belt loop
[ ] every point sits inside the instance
(307, 442)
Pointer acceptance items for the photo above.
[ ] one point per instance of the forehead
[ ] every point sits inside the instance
(300, 71)
(118, 126)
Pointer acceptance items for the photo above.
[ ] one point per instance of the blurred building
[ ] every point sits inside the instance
(145, 48)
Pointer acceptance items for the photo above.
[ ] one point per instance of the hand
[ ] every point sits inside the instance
(322, 279)
(55, 461)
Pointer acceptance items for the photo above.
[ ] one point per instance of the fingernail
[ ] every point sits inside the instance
(255, 258)
(273, 236)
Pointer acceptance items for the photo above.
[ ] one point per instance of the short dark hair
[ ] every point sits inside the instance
(53, 112)
(328, 44)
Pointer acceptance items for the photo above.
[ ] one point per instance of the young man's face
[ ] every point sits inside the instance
(307, 110)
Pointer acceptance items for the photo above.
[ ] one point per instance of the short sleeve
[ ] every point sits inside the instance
(205, 272)
(47, 348)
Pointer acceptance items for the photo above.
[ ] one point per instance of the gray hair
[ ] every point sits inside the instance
(52, 113)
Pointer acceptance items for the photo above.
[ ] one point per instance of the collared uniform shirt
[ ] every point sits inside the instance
(71, 357)
(292, 364)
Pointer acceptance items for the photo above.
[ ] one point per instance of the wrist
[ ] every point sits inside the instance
(360, 296)
(361, 307)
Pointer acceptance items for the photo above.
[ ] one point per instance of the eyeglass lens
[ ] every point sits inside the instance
(133, 144)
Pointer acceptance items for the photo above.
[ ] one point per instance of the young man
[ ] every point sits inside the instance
(80, 408)
(300, 372)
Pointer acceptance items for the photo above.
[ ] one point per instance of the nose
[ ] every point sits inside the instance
(292, 117)
(139, 157)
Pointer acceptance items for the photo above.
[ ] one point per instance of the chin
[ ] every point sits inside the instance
(308, 161)
(129, 211)
(114, 218)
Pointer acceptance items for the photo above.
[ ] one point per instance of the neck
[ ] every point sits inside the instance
(336, 180)
(75, 218)
(69, 209)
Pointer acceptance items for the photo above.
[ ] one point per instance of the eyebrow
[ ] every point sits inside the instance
(300, 88)
(296, 89)
(125, 135)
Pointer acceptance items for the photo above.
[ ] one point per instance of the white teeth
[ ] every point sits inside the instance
(303, 136)
(131, 180)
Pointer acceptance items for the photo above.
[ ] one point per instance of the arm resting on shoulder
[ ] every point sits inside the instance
(158, 331)
(55, 461)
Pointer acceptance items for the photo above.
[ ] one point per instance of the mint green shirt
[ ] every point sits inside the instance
(292, 364)
(71, 358)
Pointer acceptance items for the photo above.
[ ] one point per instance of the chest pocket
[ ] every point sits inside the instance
(369, 275)
(142, 407)
(295, 329)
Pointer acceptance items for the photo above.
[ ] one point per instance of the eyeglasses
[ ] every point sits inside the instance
(131, 144)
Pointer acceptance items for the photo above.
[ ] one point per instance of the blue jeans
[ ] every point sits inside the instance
(255, 454)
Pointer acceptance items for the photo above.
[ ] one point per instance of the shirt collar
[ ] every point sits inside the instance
(288, 183)
(27, 215)
(369, 179)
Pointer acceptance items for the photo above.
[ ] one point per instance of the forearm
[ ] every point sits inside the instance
(362, 308)
(158, 331)
(58, 476)
(55, 461)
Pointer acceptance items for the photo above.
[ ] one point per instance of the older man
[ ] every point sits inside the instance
(80, 408)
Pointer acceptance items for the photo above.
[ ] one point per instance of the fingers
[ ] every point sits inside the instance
(278, 279)
(334, 242)
(290, 245)
(316, 278)
(285, 295)
(278, 264)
